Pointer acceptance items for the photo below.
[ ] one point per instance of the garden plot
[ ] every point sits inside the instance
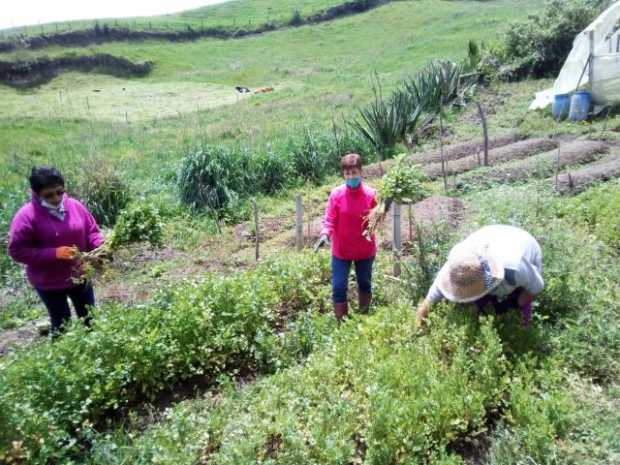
(579, 180)
(537, 166)
(90, 97)
(516, 151)
(462, 150)
(451, 152)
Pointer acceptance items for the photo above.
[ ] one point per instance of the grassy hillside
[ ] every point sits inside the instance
(317, 73)
(235, 13)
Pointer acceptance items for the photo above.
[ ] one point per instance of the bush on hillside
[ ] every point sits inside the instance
(104, 192)
(538, 46)
(212, 178)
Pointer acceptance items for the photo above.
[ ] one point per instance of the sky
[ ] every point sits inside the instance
(15, 13)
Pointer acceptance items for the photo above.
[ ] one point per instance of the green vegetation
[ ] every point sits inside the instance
(104, 192)
(52, 395)
(538, 47)
(277, 380)
(596, 208)
(379, 392)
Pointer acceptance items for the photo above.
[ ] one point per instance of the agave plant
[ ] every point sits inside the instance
(383, 121)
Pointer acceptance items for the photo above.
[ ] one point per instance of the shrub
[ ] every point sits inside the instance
(271, 171)
(296, 19)
(539, 45)
(139, 223)
(104, 192)
(53, 394)
(212, 178)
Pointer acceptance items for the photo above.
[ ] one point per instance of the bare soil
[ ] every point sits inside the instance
(435, 211)
(14, 338)
(516, 151)
(464, 149)
(573, 182)
(537, 166)
(451, 152)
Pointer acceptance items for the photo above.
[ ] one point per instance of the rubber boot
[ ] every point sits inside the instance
(341, 310)
(364, 299)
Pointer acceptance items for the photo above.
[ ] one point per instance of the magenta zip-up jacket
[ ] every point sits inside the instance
(345, 222)
(35, 234)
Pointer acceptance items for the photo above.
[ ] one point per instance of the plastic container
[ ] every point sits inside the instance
(561, 106)
(580, 105)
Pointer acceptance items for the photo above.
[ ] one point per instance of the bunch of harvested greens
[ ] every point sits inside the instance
(404, 183)
(139, 223)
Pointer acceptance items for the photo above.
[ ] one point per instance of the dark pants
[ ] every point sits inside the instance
(340, 277)
(511, 301)
(57, 304)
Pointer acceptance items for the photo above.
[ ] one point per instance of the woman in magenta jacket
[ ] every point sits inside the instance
(45, 235)
(344, 224)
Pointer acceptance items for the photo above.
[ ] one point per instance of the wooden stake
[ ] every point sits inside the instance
(299, 232)
(443, 161)
(256, 229)
(557, 169)
(410, 224)
(396, 239)
(485, 133)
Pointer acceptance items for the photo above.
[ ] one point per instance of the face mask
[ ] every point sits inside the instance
(354, 183)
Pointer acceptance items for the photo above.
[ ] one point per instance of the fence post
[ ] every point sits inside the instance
(557, 169)
(256, 229)
(396, 238)
(485, 133)
(299, 233)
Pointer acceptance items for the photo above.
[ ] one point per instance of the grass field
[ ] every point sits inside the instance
(233, 14)
(201, 356)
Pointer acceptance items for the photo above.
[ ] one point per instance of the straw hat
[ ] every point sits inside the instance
(469, 274)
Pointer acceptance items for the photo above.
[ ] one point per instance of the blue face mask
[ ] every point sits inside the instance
(354, 183)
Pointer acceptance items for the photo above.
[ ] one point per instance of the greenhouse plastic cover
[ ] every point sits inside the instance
(605, 87)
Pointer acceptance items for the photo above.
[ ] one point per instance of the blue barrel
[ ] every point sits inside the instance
(580, 105)
(561, 106)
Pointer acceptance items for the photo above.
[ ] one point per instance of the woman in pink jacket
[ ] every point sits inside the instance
(45, 235)
(343, 225)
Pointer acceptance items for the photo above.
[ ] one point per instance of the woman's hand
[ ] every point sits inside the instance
(66, 253)
(422, 313)
(323, 240)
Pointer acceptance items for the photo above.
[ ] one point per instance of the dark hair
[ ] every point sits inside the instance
(351, 160)
(45, 176)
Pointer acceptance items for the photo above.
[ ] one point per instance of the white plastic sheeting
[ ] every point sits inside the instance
(601, 39)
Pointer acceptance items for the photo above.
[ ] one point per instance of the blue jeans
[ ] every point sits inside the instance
(340, 277)
(57, 304)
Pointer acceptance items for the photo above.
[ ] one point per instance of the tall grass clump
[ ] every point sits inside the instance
(104, 192)
(218, 178)
(213, 178)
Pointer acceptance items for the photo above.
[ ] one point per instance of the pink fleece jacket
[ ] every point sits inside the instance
(35, 234)
(345, 222)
